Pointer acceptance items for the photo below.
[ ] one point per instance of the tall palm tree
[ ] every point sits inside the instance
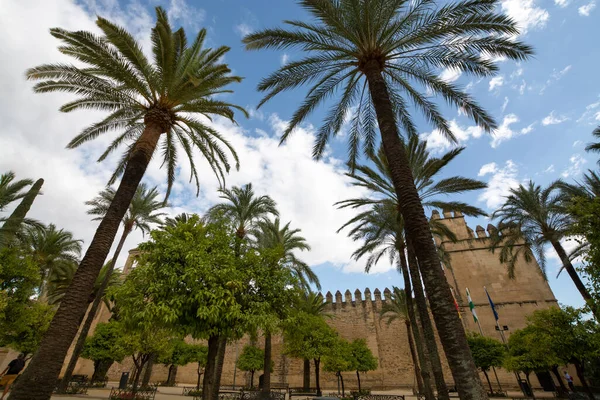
(396, 308)
(18, 220)
(595, 147)
(51, 248)
(532, 217)
(378, 181)
(158, 102)
(380, 55)
(11, 191)
(141, 214)
(244, 209)
(588, 187)
(270, 234)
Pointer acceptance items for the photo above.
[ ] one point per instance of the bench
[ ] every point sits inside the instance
(301, 392)
(379, 397)
(146, 393)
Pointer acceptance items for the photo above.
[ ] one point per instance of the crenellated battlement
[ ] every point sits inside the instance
(346, 299)
(455, 220)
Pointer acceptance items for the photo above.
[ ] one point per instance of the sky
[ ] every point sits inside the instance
(546, 109)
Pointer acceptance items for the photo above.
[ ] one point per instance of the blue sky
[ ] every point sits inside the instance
(546, 108)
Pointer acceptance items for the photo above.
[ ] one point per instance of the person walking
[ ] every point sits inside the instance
(567, 377)
(11, 372)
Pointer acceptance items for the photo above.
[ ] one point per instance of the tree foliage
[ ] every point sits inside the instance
(107, 343)
(339, 358)
(308, 336)
(24, 330)
(529, 352)
(487, 352)
(362, 358)
(251, 359)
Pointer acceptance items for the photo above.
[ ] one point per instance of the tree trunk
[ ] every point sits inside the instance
(358, 380)
(171, 380)
(317, 381)
(529, 383)
(143, 358)
(39, 379)
(342, 380)
(306, 382)
(267, 365)
(209, 371)
(424, 370)
(12, 224)
(581, 376)
(487, 378)
(562, 254)
(428, 332)
(251, 379)
(101, 369)
(413, 355)
(222, 345)
(199, 372)
(448, 324)
(91, 315)
(148, 372)
(562, 389)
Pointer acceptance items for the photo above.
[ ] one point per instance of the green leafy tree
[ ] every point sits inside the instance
(339, 359)
(362, 359)
(11, 190)
(141, 213)
(151, 103)
(181, 353)
(383, 231)
(17, 218)
(487, 353)
(528, 352)
(24, 330)
(104, 347)
(52, 249)
(379, 56)
(534, 216)
(251, 359)
(230, 288)
(199, 354)
(309, 337)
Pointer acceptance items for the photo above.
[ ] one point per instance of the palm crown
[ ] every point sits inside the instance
(172, 90)
(141, 212)
(396, 307)
(11, 190)
(409, 40)
(270, 234)
(595, 147)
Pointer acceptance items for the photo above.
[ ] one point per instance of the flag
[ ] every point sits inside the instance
(472, 306)
(455, 304)
(491, 304)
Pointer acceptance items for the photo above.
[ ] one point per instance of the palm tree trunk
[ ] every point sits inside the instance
(91, 315)
(413, 355)
(317, 381)
(12, 224)
(267, 366)
(222, 345)
(451, 331)
(306, 382)
(209, 371)
(39, 379)
(424, 371)
(575, 277)
(428, 332)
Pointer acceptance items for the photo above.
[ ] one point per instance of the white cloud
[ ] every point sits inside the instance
(550, 169)
(285, 58)
(562, 3)
(562, 72)
(501, 180)
(505, 132)
(526, 13)
(522, 87)
(555, 77)
(574, 169)
(516, 73)
(585, 10)
(243, 29)
(505, 104)
(436, 142)
(496, 81)
(450, 75)
(188, 15)
(577, 143)
(553, 119)
(591, 113)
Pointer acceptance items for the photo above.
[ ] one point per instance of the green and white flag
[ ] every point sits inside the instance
(472, 306)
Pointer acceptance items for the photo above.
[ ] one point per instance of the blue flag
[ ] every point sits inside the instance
(491, 303)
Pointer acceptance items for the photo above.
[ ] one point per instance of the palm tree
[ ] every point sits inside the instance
(243, 209)
(381, 55)
(369, 223)
(270, 234)
(11, 191)
(588, 187)
(595, 147)
(159, 102)
(530, 218)
(18, 218)
(396, 308)
(142, 212)
(181, 218)
(51, 249)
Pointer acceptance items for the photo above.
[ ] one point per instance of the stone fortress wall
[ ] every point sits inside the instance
(356, 315)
